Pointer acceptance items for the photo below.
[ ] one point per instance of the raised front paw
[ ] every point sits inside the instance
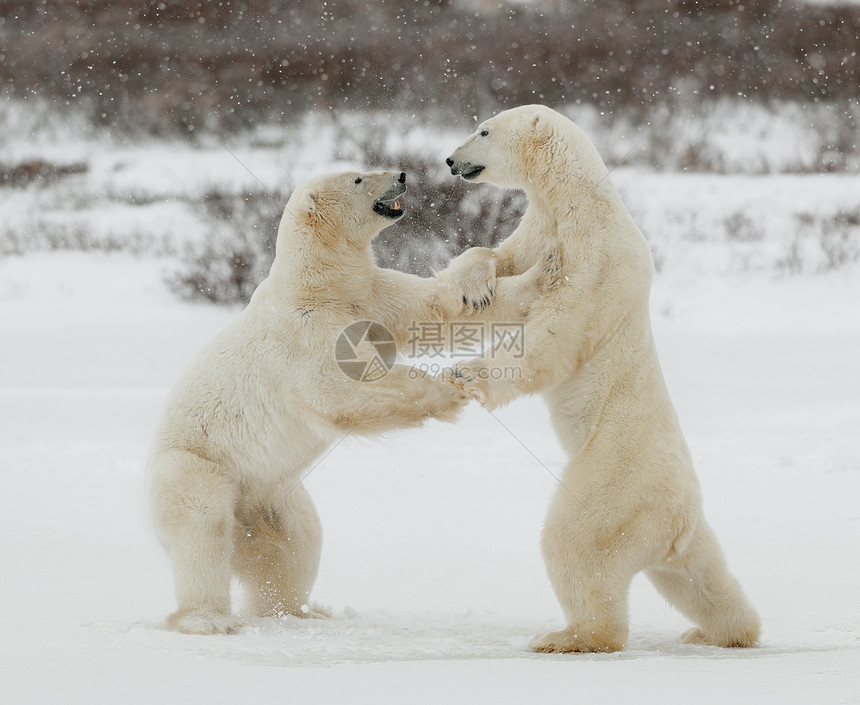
(478, 286)
(448, 400)
(470, 280)
(551, 271)
(547, 273)
(471, 378)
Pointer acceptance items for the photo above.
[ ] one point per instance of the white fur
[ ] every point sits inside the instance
(264, 399)
(629, 498)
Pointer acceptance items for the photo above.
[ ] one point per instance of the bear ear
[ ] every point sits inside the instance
(540, 124)
(308, 204)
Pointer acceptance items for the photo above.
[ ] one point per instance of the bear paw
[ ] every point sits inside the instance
(471, 280)
(552, 271)
(445, 401)
(742, 640)
(203, 622)
(694, 636)
(316, 611)
(569, 641)
(477, 292)
(458, 398)
(471, 379)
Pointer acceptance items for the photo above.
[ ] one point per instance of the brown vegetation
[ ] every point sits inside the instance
(188, 66)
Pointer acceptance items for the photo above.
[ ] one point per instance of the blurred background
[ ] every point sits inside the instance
(178, 129)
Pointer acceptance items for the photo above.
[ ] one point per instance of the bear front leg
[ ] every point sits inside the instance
(548, 352)
(519, 296)
(404, 397)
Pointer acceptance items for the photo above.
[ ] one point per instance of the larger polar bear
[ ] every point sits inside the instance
(268, 396)
(629, 498)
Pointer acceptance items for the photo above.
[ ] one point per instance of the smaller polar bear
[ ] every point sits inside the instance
(266, 397)
(629, 498)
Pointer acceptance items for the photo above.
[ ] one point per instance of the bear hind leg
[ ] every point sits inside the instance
(590, 582)
(699, 584)
(193, 509)
(596, 612)
(278, 546)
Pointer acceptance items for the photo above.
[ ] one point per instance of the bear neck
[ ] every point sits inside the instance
(568, 181)
(303, 261)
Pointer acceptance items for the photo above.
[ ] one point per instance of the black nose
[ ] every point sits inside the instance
(402, 178)
(449, 161)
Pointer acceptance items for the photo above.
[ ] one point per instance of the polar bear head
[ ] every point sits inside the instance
(348, 208)
(519, 146)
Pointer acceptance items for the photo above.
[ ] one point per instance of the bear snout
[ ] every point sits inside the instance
(402, 177)
(449, 161)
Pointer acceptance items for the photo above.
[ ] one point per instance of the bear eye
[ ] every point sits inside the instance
(358, 180)
(484, 133)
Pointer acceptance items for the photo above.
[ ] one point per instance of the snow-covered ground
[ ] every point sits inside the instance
(431, 563)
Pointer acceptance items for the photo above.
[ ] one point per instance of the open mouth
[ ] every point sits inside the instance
(467, 171)
(473, 173)
(388, 211)
(388, 205)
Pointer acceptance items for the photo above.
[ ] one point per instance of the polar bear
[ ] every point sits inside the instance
(266, 397)
(629, 499)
